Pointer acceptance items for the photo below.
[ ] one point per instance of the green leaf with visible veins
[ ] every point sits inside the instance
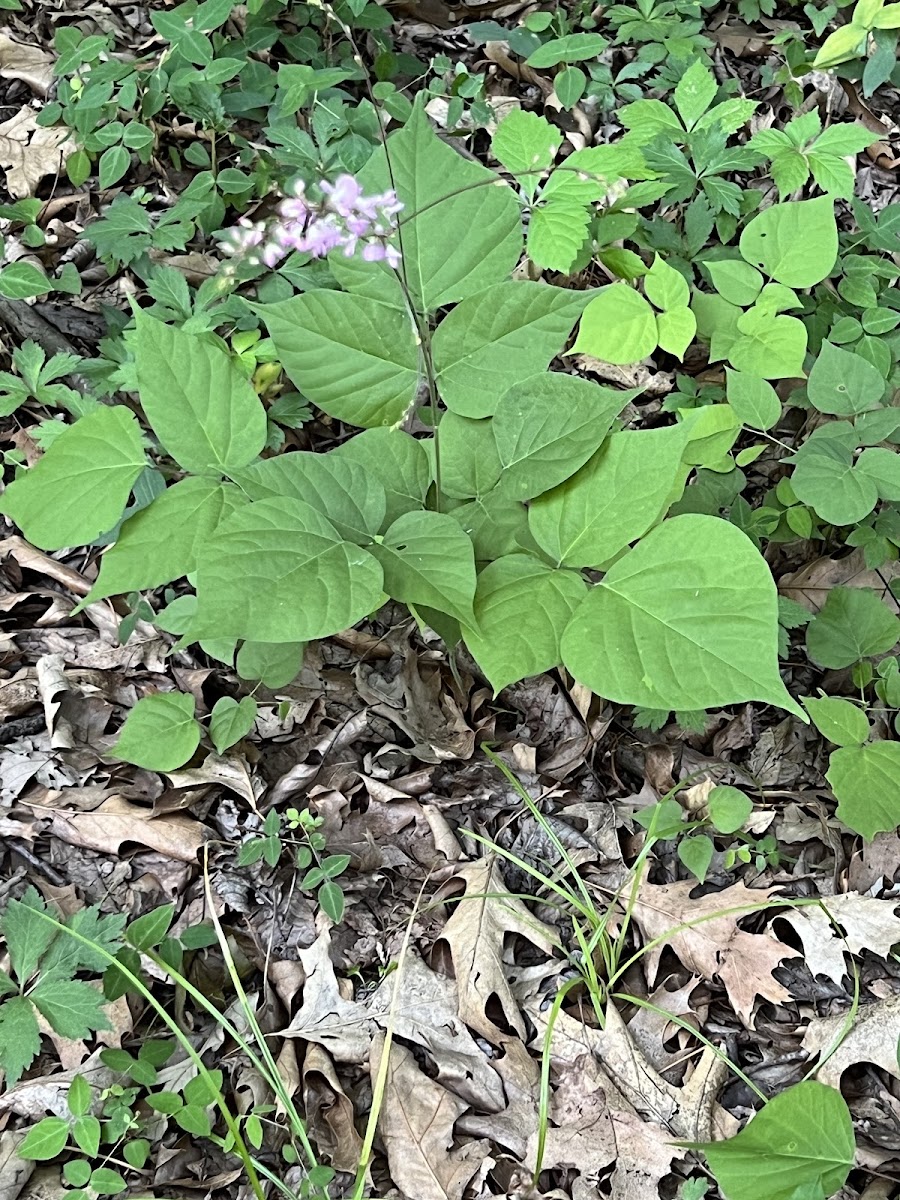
(688, 619)
(526, 144)
(202, 408)
(20, 1039)
(80, 487)
(73, 1009)
(160, 542)
(864, 780)
(27, 934)
(160, 733)
(44, 1140)
(398, 461)
(795, 243)
(428, 559)
(557, 231)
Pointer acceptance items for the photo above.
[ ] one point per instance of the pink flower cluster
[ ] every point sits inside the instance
(345, 219)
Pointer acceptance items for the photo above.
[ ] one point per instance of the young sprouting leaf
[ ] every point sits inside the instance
(160, 733)
(696, 853)
(278, 571)
(842, 383)
(80, 487)
(343, 490)
(202, 408)
(526, 144)
(399, 462)
(273, 663)
(73, 1009)
(802, 1138)
(794, 243)
(753, 399)
(620, 493)
(853, 623)
(521, 608)
(44, 1140)
(462, 228)
(428, 559)
(837, 719)
(547, 427)
(78, 1097)
(845, 43)
(618, 326)
(231, 720)
(694, 92)
(20, 1040)
(470, 464)
(324, 338)
(159, 543)
(500, 337)
(729, 808)
(864, 781)
(688, 619)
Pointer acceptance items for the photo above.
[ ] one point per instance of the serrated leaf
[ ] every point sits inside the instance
(852, 624)
(398, 461)
(27, 934)
(461, 227)
(80, 487)
(753, 399)
(557, 231)
(278, 571)
(44, 1140)
(427, 559)
(354, 357)
(618, 326)
(202, 408)
(688, 619)
(616, 497)
(342, 489)
(695, 92)
(794, 243)
(833, 175)
(864, 780)
(499, 337)
(526, 144)
(789, 171)
(521, 608)
(843, 383)
(231, 720)
(20, 1040)
(160, 733)
(838, 720)
(160, 542)
(72, 1009)
(548, 426)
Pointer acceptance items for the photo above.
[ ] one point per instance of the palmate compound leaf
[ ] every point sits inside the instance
(794, 243)
(866, 783)
(356, 358)
(623, 490)
(160, 543)
(278, 571)
(202, 408)
(80, 487)
(802, 1139)
(688, 619)
(460, 229)
(618, 326)
(342, 489)
(547, 427)
(399, 462)
(428, 559)
(521, 608)
(499, 337)
(160, 733)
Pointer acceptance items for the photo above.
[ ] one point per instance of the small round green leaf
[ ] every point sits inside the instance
(729, 808)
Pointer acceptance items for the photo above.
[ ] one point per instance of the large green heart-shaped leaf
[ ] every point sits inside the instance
(202, 408)
(618, 326)
(343, 490)
(548, 426)
(827, 478)
(865, 781)
(842, 383)
(770, 346)
(278, 571)
(795, 243)
(161, 542)
(80, 487)
(615, 498)
(356, 358)
(160, 733)
(688, 620)
(399, 462)
(502, 335)
(521, 608)
(853, 623)
(428, 559)
(460, 229)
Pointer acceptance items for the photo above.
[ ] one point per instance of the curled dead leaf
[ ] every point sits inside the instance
(28, 152)
(117, 822)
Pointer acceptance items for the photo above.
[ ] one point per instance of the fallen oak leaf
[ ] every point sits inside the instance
(868, 924)
(704, 933)
(117, 821)
(873, 1038)
(31, 64)
(29, 151)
